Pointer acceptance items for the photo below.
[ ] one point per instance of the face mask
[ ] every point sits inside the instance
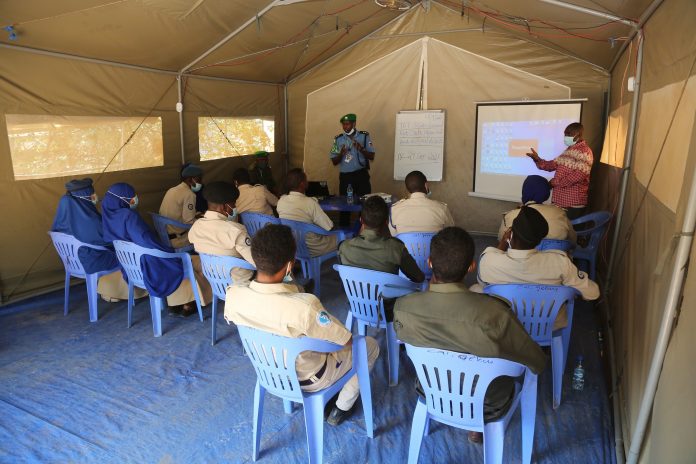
(93, 198)
(429, 192)
(131, 202)
(196, 187)
(509, 241)
(568, 140)
(288, 275)
(351, 132)
(232, 214)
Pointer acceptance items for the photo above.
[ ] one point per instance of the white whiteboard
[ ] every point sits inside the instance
(419, 144)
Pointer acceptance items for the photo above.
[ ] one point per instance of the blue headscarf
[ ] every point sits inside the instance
(77, 216)
(162, 276)
(536, 189)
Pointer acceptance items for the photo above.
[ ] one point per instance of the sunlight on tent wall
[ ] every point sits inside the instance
(44, 146)
(228, 137)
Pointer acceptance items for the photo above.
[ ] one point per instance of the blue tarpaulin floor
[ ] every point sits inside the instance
(75, 391)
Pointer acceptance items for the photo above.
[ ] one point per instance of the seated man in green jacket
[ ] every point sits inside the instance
(451, 317)
(375, 249)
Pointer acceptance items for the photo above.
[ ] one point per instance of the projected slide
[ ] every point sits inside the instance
(507, 132)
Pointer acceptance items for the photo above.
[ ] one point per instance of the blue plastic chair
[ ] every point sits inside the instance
(588, 253)
(311, 265)
(273, 357)
(67, 247)
(160, 223)
(366, 290)
(549, 244)
(129, 255)
(418, 245)
(537, 306)
(255, 221)
(455, 385)
(218, 271)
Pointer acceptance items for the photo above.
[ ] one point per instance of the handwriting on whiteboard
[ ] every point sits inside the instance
(419, 145)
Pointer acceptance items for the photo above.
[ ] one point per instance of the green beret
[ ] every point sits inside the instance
(261, 154)
(350, 117)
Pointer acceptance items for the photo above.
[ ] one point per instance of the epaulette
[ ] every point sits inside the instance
(338, 135)
(364, 132)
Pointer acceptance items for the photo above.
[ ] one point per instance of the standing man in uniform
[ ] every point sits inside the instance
(179, 204)
(418, 213)
(352, 150)
(571, 182)
(271, 305)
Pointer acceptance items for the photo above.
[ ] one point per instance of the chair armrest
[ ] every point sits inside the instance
(396, 291)
(94, 247)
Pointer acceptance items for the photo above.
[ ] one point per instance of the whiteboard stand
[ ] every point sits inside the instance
(419, 143)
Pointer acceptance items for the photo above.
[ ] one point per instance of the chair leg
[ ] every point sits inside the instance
(493, 443)
(66, 296)
(156, 305)
(420, 419)
(196, 295)
(362, 327)
(528, 403)
(314, 423)
(259, 394)
(360, 363)
(92, 297)
(426, 431)
(213, 323)
(393, 353)
(557, 369)
(349, 320)
(131, 302)
(287, 406)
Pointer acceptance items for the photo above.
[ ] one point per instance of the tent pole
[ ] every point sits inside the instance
(287, 140)
(589, 11)
(672, 303)
(643, 18)
(628, 162)
(181, 120)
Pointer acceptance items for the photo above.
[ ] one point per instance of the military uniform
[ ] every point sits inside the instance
(297, 206)
(255, 199)
(450, 317)
(550, 267)
(281, 310)
(418, 213)
(179, 204)
(354, 168)
(560, 227)
(214, 234)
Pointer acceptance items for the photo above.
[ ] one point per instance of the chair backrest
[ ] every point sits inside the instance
(549, 244)
(536, 306)
(455, 384)
(273, 357)
(299, 231)
(255, 221)
(364, 289)
(600, 221)
(129, 255)
(67, 247)
(418, 245)
(161, 222)
(218, 271)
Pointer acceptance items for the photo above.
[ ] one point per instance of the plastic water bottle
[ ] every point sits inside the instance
(349, 194)
(579, 376)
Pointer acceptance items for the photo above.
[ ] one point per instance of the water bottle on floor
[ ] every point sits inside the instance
(579, 376)
(349, 194)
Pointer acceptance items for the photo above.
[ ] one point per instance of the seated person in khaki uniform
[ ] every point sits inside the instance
(374, 249)
(535, 191)
(418, 213)
(450, 317)
(253, 198)
(179, 204)
(516, 261)
(269, 304)
(217, 233)
(299, 207)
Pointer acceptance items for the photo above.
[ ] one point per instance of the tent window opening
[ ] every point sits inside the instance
(44, 146)
(225, 137)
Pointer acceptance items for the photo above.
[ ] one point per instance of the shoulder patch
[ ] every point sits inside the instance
(247, 241)
(190, 206)
(323, 318)
(364, 132)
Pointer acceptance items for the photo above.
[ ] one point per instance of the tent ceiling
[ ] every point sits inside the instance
(286, 40)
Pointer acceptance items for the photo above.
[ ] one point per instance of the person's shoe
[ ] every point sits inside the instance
(338, 415)
(330, 405)
(109, 299)
(175, 311)
(189, 310)
(475, 437)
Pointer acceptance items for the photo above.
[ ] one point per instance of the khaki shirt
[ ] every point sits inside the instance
(297, 206)
(450, 317)
(418, 213)
(255, 199)
(179, 203)
(281, 310)
(369, 250)
(560, 227)
(214, 234)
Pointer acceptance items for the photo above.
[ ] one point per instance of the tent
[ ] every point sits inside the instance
(302, 63)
